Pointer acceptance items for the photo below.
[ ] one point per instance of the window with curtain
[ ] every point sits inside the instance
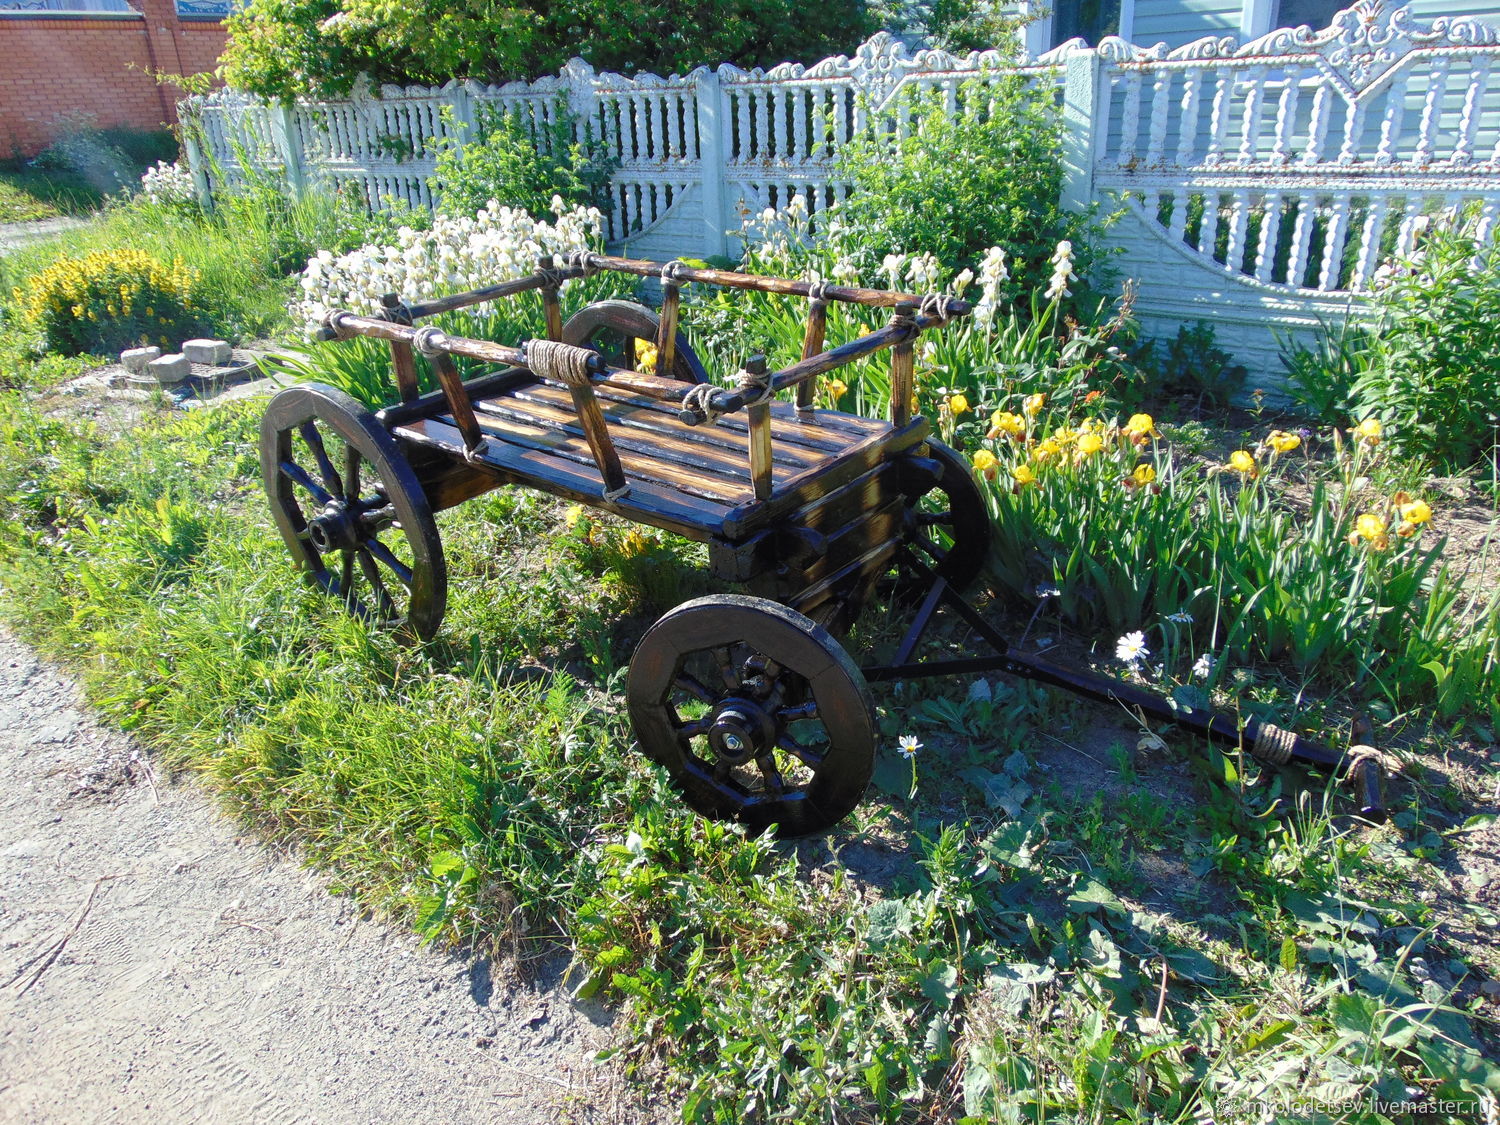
(1091, 20)
(206, 9)
(64, 6)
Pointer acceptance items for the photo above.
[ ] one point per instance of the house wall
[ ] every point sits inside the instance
(1175, 22)
(61, 65)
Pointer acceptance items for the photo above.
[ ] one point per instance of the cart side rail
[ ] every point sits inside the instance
(580, 368)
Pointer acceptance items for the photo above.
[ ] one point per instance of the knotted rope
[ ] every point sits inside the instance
(1273, 744)
(905, 322)
(671, 272)
(755, 389)
(581, 260)
(565, 363)
(429, 341)
(700, 400)
(1360, 752)
(818, 291)
(935, 305)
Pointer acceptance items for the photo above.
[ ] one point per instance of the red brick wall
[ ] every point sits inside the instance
(56, 66)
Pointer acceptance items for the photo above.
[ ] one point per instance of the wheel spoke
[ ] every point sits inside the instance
(771, 774)
(929, 548)
(808, 710)
(298, 475)
(694, 727)
(807, 757)
(725, 659)
(351, 471)
(927, 519)
(392, 563)
(376, 515)
(326, 470)
(383, 599)
(346, 576)
(691, 685)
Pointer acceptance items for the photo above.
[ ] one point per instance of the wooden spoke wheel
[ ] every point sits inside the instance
(351, 510)
(756, 712)
(614, 328)
(948, 523)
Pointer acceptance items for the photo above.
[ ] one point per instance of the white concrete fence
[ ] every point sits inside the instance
(1262, 183)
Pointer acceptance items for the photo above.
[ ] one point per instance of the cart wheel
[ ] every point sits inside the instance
(350, 508)
(756, 712)
(612, 329)
(949, 524)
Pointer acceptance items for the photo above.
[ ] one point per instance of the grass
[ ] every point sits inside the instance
(1078, 932)
(1046, 915)
(26, 196)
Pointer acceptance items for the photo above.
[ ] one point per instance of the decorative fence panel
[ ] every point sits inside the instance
(1286, 170)
(1262, 184)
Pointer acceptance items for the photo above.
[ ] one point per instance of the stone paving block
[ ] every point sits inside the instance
(134, 360)
(170, 369)
(211, 352)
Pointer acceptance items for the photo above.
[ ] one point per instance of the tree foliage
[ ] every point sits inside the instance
(286, 48)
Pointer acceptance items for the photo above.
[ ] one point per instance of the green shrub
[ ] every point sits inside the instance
(109, 160)
(110, 300)
(957, 184)
(1426, 366)
(507, 163)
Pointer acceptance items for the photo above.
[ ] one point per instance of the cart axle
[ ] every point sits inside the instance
(1266, 742)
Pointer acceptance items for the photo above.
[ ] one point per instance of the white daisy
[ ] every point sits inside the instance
(1131, 648)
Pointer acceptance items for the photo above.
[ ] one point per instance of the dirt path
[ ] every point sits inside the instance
(14, 235)
(204, 978)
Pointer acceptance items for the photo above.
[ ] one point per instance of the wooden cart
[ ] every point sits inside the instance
(747, 699)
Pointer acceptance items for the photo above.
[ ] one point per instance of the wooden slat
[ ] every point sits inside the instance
(449, 483)
(879, 525)
(859, 572)
(828, 515)
(710, 460)
(648, 503)
(810, 485)
(829, 430)
(637, 467)
(728, 444)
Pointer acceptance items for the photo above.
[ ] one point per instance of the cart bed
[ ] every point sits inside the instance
(694, 480)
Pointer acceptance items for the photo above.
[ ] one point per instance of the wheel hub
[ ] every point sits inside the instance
(335, 528)
(742, 729)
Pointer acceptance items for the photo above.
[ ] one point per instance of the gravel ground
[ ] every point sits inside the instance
(157, 964)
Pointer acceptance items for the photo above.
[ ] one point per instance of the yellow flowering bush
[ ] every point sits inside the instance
(109, 300)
